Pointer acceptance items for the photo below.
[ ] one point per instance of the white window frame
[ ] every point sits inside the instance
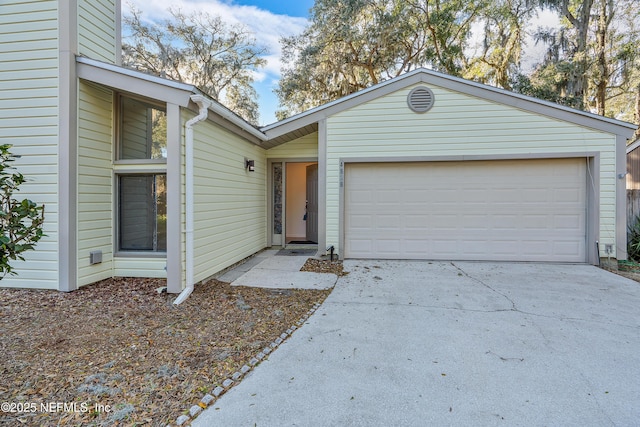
(129, 167)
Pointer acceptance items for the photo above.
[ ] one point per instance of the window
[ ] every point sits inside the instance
(142, 212)
(142, 131)
(141, 177)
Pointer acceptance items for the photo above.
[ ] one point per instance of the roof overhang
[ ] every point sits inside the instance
(134, 82)
(164, 90)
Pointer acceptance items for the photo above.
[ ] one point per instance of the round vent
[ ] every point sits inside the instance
(420, 99)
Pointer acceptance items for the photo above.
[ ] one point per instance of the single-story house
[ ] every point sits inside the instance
(146, 177)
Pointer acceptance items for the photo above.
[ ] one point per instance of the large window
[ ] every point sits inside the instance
(141, 176)
(143, 131)
(143, 212)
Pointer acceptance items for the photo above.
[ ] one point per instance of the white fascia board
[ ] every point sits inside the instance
(135, 82)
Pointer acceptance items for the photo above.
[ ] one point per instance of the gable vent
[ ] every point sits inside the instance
(420, 99)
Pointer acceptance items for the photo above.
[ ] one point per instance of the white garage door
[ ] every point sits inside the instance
(503, 210)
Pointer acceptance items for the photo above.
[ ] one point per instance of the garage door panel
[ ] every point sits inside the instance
(389, 223)
(567, 196)
(387, 247)
(569, 248)
(474, 195)
(362, 196)
(471, 222)
(568, 222)
(444, 249)
(520, 210)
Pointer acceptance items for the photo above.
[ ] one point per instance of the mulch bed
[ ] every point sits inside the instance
(119, 353)
(324, 266)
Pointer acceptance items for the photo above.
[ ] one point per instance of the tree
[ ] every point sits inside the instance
(21, 221)
(615, 82)
(199, 49)
(505, 24)
(592, 59)
(350, 45)
(577, 15)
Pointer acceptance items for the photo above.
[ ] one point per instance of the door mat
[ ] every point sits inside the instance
(296, 252)
(302, 242)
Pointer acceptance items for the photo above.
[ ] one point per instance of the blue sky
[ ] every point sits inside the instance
(270, 20)
(281, 7)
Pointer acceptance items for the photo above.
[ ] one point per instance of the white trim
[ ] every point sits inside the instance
(134, 74)
(322, 186)
(270, 207)
(118, 29)
(621, 199)
(592, 202)
(174, 199)
(67, 147)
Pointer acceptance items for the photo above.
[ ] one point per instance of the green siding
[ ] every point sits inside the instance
(29, 121)
(305, 147)
(95, 182)
(140, 267)
(97, 29)
(459, 125)
(230, 202)
(136, 127)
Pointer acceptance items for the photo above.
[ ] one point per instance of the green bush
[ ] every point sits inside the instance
(633, 240)
(20, 221)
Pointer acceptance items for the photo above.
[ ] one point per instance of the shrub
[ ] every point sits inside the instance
(20, 221)
(633, 240)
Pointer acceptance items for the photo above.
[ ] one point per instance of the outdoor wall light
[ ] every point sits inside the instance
(249, 165)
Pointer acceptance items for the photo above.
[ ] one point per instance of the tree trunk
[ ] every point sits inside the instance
(601, 88)
(578, 80)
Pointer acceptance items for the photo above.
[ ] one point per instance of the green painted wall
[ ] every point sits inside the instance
(97, 32)
(95, 182)
(230, 202)
(29, 121)
(459, 125)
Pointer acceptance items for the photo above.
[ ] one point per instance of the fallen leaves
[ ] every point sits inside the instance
(122, 346)
(323, 266)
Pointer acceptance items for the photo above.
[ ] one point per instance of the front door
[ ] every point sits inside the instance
(312, 203)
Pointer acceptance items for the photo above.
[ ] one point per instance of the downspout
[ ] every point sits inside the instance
(203, 104)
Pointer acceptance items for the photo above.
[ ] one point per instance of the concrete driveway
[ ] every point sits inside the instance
(418, 343)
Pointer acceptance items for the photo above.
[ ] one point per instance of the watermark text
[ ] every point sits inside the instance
(53, 407)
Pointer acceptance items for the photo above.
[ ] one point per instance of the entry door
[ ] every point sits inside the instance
(312, 203)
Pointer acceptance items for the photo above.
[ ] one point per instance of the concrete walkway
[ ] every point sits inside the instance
(268, 269)
(481, 344)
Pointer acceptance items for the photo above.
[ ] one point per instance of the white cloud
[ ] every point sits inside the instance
(534, 53)
(267, 27)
